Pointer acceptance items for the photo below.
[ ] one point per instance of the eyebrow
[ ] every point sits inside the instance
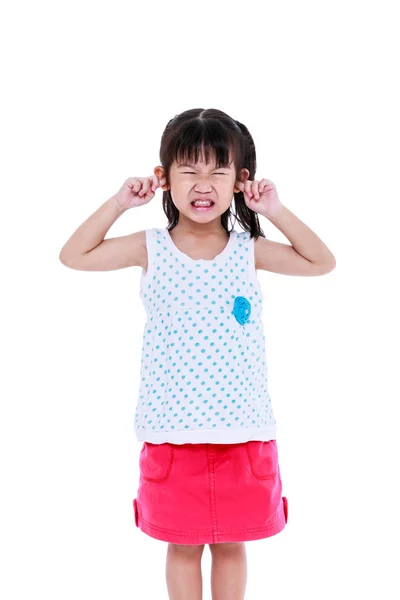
(195, 167)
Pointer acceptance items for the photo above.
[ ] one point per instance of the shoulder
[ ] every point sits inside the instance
(136, 248)
(152, 240)
(149, 239)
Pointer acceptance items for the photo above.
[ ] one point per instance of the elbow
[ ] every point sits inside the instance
(329, 267)
(65, 260)
(62, 258)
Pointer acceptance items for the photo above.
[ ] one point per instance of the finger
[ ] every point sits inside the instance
(239, 185)
(137, 186)
(155, 183)
(160, 182)
(133, 183)
(145, 187)
(254, 186)
(247, 188)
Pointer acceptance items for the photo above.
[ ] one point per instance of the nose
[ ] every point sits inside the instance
(202, 182)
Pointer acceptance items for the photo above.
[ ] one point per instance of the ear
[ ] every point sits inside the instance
(244, 175)
(160, 172)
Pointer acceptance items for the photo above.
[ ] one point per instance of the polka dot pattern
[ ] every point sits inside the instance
(203, 365)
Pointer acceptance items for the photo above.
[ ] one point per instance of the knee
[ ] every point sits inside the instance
(186, 550)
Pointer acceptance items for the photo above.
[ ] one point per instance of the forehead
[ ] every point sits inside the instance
(198, 165)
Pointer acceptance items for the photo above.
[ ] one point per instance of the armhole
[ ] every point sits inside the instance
(252, 265)
(147, 275)
(252, 258)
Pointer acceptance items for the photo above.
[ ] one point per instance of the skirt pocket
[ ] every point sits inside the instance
(155, 461)
(285, 508)
(263, 458)
(135, 512)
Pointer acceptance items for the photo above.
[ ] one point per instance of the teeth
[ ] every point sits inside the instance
(202, 203)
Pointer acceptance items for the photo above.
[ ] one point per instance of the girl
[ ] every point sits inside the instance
(209, 469)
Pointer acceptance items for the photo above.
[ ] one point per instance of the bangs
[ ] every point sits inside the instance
(207, 141)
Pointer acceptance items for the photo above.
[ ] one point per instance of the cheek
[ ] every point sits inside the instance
(182, 182)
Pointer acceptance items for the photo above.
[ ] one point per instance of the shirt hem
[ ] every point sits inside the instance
(208, 436)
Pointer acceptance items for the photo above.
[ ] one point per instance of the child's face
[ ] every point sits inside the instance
(188, 181)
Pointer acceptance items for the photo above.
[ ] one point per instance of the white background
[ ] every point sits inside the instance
(88, 88)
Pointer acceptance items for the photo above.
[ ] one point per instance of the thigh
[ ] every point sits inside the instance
(189, 550)
(227, 547)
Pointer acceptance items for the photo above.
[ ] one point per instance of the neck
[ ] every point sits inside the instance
(190, 227)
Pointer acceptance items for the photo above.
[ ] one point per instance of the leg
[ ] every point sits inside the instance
(183, 572)
(228, 571)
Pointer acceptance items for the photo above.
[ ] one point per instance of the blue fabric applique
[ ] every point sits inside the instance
(241, 309)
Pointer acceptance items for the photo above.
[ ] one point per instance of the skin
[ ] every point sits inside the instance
(187, 183)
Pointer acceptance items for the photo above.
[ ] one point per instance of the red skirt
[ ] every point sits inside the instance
(210, 493)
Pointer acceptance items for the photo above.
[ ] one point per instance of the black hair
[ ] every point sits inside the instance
(210, 131)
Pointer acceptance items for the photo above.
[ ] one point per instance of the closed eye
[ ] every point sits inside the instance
(192, 173)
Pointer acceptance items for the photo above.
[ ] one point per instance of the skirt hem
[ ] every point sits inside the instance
(211, 537)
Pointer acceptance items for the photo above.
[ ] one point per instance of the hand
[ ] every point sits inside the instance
(137, 191)
(261, 196)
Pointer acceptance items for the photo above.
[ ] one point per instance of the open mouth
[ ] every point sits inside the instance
(202, 205)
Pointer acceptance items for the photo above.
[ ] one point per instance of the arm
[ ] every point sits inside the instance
(307, 255)
(87, 249)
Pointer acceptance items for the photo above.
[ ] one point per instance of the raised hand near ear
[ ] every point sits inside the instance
(260, 196)
(137, 191)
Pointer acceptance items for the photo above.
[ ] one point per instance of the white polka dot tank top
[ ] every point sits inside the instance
(203, 374)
